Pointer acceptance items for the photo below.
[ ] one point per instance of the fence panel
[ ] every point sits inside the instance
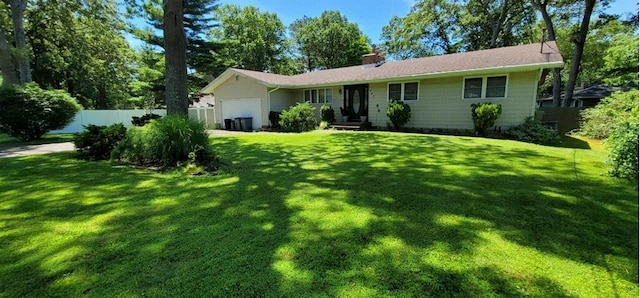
(564, 119)
(104, 117)
(108, 117)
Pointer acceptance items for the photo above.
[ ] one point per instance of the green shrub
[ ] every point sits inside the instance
(597, 122)
(144, 119)
(298, 118)
(622, 147)
(484, 116)
(532, 131)
(29, 112)
(327, 114)
(97, 142)
(399, 113)
(324, 125)
(166, 142)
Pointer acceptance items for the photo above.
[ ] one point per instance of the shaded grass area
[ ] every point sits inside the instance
(7, 141)
(324, 214)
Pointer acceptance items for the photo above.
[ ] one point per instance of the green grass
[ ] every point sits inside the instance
(7, 141)
(324, 214)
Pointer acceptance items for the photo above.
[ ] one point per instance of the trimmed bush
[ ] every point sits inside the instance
(29, 112)
(96, 142)
(298, 118)
(597, 122)
(484, 116)
(399, 113)
(165, 142)
(327, 114)
(144, 119)
(532, 131)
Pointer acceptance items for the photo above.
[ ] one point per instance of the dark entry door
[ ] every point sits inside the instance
(356, 100)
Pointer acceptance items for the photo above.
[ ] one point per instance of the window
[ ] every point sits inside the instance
(318, 96)
(485, 87)
(403, 91)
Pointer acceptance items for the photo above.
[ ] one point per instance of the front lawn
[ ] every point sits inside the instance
(324, 214)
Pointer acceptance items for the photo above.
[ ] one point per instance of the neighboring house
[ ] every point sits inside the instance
(583, 97)
(439, 89)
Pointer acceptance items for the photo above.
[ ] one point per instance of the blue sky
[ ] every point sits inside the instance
(370, 15)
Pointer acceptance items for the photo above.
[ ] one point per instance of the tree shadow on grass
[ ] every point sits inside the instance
(343, 214)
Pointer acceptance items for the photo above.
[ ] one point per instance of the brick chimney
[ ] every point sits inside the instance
(373, 57)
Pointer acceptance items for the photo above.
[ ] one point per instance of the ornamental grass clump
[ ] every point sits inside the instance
(166, 142)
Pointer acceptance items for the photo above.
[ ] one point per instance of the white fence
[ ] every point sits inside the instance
(108, 117)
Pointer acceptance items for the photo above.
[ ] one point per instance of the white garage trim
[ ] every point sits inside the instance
(243, 107)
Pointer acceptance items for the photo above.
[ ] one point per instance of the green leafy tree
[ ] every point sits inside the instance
(328, 41)
(443, 26)
(251, 39)
(621, 61)
(78, 46)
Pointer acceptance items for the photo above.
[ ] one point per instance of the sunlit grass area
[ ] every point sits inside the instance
(8, 141)
(324, 214)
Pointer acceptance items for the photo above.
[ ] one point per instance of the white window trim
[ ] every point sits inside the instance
(483, 94)
(324, 100)
(402, 84)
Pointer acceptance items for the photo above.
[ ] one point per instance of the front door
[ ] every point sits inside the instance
(356, 101)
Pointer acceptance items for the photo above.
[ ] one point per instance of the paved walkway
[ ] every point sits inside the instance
(36, 149)
(68, 146)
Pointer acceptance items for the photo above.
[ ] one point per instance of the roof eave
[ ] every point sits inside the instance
(466, 72)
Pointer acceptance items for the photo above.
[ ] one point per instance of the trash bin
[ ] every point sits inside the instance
(247, 123)
(227, 124)
(238, 123)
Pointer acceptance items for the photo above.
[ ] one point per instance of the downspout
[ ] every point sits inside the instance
(269, 99)
(535, 92)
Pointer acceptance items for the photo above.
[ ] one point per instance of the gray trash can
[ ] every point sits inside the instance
(238, 123)
(247, 124)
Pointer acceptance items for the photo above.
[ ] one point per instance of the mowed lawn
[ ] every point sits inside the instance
(324, 214)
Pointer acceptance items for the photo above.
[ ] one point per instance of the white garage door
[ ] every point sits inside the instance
(244, 107)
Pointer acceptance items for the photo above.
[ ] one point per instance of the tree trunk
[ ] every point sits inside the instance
(17, 14)
(579, 41)
(551, 35)
(175, 44)
(9, 75)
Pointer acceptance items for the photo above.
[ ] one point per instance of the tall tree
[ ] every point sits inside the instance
(175, 48)
(329, 41)
(579, 42)
(251, 39)
(17, 16)
(543, 7)
(198, 20)
(14, 60)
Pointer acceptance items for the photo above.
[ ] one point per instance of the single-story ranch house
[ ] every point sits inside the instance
(439, 89)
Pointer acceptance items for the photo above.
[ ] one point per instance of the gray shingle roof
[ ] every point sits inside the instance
(534, 56)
